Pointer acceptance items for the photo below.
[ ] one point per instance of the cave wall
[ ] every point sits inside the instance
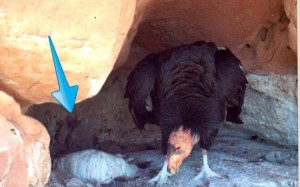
(96, 38)
(257, 32)
(102, 122)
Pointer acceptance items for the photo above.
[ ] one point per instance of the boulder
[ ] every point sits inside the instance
(270, 109)
(24, 147)
(290, 7)
(88, 37)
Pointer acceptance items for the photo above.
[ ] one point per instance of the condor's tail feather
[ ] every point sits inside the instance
(232, 82)
(139, 90)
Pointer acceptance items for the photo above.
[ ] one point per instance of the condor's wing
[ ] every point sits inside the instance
(139, 90)
(232, 82)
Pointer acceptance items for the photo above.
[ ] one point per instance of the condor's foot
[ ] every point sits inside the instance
(162, 177)
(206, 173)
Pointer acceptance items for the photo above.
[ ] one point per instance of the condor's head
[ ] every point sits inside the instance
(180, 145)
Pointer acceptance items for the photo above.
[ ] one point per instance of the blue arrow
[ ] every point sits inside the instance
(65, 95)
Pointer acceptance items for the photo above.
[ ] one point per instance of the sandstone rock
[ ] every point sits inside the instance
(10, 153)
(88, 37)
(290, 7)
(97, 37)
(256, 33)
(24, 147)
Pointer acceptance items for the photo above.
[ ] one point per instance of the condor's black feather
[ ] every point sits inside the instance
(139, 87)
(190, 86)
(232, 83)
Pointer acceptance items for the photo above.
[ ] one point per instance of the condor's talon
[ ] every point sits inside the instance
(158, 180)
(206, 173)
(162, 177)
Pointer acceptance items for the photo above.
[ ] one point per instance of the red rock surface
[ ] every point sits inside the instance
(88, 37)
(24, 147)
(97, 37)
(290, 7)
(257, 32)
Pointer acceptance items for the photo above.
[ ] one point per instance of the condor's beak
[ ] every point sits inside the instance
(174, 163)
(173, 170)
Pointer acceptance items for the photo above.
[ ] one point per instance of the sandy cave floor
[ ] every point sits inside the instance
(247, 163)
